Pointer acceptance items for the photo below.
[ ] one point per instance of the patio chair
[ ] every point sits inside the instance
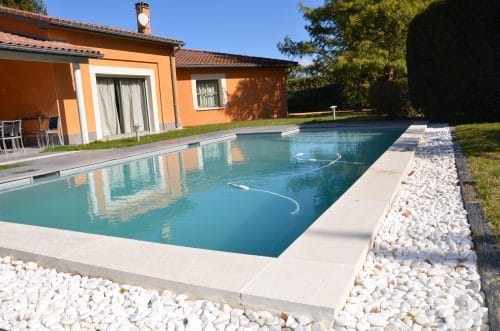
(32, 131)
(11, 132)
(53, 129)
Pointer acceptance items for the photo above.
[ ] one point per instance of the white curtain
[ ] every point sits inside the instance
(116, 177)
(133, 106)
(107, 107)
(207, 93)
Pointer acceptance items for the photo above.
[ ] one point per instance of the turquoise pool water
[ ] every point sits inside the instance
(255, 194)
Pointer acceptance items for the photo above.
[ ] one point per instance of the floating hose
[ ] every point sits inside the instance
(330, 163)
(246, 188)
(296, 157)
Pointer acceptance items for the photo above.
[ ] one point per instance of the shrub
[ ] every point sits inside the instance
(315, 99)
(390, 98)
(320, 92)
(453, 49)
(355, 95)
(306, 83)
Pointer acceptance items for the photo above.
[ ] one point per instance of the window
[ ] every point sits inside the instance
(149, 86)
(209, 91)
(122, 104)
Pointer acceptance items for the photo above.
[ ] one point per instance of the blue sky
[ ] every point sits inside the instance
(251, 27)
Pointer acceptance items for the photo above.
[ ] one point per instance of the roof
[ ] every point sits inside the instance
(10, 12)
(188, 58)
(14, 42)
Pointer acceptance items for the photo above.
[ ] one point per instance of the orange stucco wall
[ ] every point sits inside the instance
(251, 93)
(26, 87)
(46, 88)
(36, 88)
(130, 54)
(37, 85)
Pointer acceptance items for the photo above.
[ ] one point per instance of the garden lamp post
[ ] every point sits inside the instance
(136, 130)
(333, 107)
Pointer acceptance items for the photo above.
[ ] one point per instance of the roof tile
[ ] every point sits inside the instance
(187, 58)
(87, 26)
(13, 41)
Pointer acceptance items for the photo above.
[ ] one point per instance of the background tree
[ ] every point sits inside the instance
(357, 41)
(454, 60)
(35, 6)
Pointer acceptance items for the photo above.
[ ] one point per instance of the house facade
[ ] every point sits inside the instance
(219, 87)
(105, 82)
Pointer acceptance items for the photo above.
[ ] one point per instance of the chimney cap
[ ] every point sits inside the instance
(141, 4)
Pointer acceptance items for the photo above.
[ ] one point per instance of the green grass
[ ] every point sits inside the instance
(13, 165)
(480, 144)
(194, 130)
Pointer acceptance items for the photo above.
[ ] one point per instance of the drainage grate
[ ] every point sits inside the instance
(46, 177)
(195, 144)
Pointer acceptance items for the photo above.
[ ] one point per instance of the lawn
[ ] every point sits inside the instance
(194, 130)
(480, 144)
(10, 166)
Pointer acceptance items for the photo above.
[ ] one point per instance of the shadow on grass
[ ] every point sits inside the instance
(480, 139)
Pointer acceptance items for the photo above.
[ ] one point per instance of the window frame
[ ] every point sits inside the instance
(116, 82)
(125, 72)
(221, 80)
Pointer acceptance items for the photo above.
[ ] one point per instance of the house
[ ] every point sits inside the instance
(101, 80)
(218, 87)
(106, 82)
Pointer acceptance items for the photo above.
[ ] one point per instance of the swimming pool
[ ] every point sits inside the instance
(279, 186)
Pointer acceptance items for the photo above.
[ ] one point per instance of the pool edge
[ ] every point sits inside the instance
(239, 279)
(353, 221)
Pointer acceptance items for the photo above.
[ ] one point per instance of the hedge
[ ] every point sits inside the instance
(390, 98)
(305, 83)
(453, 59)
(315, 99)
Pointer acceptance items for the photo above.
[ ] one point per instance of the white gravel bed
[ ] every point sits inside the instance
(421, 274)
(36, 298)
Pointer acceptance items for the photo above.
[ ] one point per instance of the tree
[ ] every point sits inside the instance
(357, 41)
(35, 6)
(453, 60)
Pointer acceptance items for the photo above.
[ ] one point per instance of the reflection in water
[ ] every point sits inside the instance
(184, 198)
(123, 192)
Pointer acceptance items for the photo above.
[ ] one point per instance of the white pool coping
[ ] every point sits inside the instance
(312, 277)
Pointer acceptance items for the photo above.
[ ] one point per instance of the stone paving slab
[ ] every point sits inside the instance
(314, 288)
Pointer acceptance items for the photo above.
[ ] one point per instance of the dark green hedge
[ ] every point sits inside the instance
(390, 98)
(453, 58)
(315, 99)
(305, 83)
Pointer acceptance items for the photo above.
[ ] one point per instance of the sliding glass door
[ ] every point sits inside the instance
(122, 105)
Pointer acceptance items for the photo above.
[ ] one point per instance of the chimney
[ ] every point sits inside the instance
(143, 18)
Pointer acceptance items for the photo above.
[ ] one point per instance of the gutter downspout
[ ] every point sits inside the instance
(174, 89)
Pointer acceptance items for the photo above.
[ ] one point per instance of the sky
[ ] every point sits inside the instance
(250, 27)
